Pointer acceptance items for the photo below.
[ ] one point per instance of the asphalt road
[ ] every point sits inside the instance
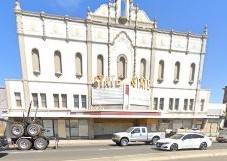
(85, 152)
(205, 159)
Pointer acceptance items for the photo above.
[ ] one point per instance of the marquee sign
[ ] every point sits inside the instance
(111, 82)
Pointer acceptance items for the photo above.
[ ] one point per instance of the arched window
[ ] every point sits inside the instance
(100, 65)
(143, 68)
(78, 62)
(35, 61)
(122, 67)
(161, 71)
(192, 73)
(57, 63)
(177, 72)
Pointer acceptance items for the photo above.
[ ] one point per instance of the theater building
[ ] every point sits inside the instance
(89, 78)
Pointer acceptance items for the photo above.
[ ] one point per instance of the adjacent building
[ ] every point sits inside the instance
(3, 110)
(91, 77)
(225, 102)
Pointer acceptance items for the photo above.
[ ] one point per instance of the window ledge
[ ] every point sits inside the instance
(78, 76)
(36, 73)
(176, 81)
(121, 77)
(191, 82)
(58, 74)
(160, 80)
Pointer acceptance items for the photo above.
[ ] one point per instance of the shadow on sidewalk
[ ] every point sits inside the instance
(2, 154)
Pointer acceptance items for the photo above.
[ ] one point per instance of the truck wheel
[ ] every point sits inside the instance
(24, 144)
(124, 142)
(155, 140)
(33, 130)
(17, 130)
(40, 144)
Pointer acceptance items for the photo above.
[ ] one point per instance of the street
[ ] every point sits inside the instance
(101, 153)
(205, 159)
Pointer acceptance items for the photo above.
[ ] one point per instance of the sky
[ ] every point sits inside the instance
(180, 15)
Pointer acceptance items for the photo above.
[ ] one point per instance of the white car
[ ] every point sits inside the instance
(184, 141)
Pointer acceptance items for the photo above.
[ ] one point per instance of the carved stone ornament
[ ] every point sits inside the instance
(163, 43)
(33, 27)
(55, 29)
(122, 20)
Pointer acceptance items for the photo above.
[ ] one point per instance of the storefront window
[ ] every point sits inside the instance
(74, 128)
(48, 125)
(67, 128)
(83, 128)
(56, 128)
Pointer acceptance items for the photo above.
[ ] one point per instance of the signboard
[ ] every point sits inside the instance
(107, 96)
(139, 97)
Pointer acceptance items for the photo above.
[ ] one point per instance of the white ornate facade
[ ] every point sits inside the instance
(112, 70)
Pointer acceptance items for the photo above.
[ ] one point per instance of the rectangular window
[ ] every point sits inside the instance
(191, 104)
(84, 101)
(155, 103)
(176, 107)
(18, 99)
(76, 101)
(35, 100)
(161, 104)
(64, 100)
(202, 103)
(185, 104)
(43, 100)
(56, 100)
(171, 104)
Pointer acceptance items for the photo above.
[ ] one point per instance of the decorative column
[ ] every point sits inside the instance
(108, 44)
(135, 47)
(200, 71)
(20, 32)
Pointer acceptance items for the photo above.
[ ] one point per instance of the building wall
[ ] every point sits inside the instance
(131, 99)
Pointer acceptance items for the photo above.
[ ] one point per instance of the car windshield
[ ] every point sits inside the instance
(129, 129)
(177, 136)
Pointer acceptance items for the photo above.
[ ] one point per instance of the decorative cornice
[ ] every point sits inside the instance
(106, 43)
(131, 27)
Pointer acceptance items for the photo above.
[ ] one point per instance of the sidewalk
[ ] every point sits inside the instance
(164, 156)
(73, 143)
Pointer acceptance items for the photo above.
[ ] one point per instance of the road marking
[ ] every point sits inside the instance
(117, 148)
(103, 149)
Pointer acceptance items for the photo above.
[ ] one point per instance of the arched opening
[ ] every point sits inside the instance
(161, 71)
(78, 62)
(143, 68)
(58, 63)
(100, 65)
(35, 61)
(177, 72)
(122, 67)
(192, 73)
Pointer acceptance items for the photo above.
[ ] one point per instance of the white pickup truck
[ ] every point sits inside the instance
(137, 134)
